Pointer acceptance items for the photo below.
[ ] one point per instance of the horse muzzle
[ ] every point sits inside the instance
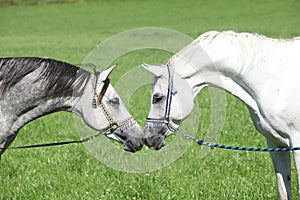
(132, 138)
(154, 135)
(155, 142)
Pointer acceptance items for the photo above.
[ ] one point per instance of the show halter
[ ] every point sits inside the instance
(166, 119)
(97, 100)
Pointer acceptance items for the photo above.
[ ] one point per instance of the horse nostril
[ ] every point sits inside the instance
(121, 136)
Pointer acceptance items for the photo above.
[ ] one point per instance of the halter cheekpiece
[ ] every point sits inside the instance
(166, 119)
(97, 102)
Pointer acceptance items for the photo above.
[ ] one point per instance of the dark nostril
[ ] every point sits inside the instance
(121, 136)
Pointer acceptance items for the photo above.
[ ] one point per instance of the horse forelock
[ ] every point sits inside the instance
(58, 78)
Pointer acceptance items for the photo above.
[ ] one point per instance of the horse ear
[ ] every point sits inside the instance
(105, 74)
(156, 70)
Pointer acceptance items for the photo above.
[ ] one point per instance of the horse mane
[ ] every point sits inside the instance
(210, 36)
(58, 78)
(252, 47)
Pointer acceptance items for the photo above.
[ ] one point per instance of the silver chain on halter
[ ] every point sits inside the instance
(97, 101)
(112, 123)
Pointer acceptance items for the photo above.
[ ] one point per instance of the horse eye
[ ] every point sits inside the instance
(114, 101)
(157, 98)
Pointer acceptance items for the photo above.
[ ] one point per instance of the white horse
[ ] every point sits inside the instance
(262, 72)
(33, 87)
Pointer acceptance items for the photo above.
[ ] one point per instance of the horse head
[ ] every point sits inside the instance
(172, 101)
(102, 109)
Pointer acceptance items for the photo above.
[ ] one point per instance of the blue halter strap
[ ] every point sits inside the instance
(166, 119)
(170, 94)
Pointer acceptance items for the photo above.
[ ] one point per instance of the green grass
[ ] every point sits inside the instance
(69, 32)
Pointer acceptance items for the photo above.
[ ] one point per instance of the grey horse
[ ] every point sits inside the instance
(33, 87)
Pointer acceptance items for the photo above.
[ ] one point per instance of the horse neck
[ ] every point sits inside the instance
(85, 99)
(222, 64)
(26, 102)
(69, 102)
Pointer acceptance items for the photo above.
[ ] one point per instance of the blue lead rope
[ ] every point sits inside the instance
(220, 146)
(212, 145)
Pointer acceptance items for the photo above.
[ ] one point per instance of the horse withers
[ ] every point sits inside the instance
(253, 68)
(32, 87)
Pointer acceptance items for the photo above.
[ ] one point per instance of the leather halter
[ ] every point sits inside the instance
(103, 90)
(97, 100)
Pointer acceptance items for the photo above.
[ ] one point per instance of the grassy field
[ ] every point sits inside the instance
(69, 32)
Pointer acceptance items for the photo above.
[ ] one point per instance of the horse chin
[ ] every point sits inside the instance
(155, 142)
(131, 143)
(158, 146)
(128, 146)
